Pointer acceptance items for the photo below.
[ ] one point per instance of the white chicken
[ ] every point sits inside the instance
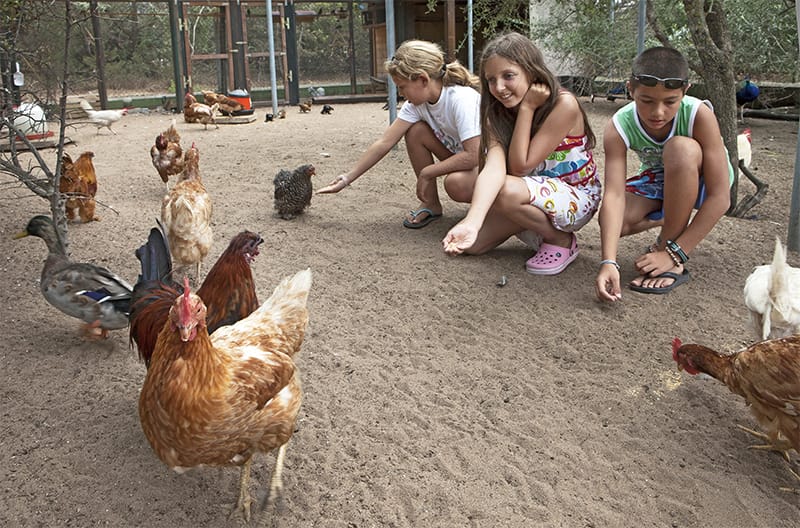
(103, 118)
(772, 295)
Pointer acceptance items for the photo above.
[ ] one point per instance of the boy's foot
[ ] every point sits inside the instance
(663, 283)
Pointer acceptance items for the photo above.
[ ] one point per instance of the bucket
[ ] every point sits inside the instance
(241, 97)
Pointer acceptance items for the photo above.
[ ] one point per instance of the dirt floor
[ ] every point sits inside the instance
(433, 397)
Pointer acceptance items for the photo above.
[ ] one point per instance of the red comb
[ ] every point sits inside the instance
(676, 344)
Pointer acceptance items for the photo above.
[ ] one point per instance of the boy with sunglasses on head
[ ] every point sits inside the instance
(684, 166)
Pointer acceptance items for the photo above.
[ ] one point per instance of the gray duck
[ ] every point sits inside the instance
(91, 293)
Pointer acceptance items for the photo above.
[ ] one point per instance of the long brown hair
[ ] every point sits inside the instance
(497, 121)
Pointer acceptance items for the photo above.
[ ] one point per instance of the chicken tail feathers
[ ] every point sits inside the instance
(155, 256)
(85, 105)
(779, 279)
(289, 296)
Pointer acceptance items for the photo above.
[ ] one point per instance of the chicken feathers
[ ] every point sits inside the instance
(79, 183)
(102, 118)
(186, 214)
(772, 297)
(217, 400)
(228, 290)
(766, 374)
(293, 191)
(167, 154)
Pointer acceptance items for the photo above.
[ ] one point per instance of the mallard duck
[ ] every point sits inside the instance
(90, 293)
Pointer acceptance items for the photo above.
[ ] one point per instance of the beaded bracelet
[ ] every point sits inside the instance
(610, 261)
(673, 256)
(678, 251)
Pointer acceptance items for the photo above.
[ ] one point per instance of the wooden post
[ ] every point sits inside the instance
(450, 52)
(99, 56)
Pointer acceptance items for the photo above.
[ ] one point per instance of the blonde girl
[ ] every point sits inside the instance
(439, 121)
(538, 180)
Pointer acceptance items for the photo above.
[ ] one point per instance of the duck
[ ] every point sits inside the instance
(91, 293)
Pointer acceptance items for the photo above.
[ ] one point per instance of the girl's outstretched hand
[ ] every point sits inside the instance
(537, 95)
(459, 238)
(335, 186)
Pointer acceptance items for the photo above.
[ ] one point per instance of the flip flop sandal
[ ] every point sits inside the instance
(422, 223)
(677, 280)
(552, 260)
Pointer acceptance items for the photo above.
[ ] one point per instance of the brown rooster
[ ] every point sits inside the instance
(194, 112)
(766, 374)
(227, 106)
(218, 400)
(228, 290)
(186, 214)
(293, 191)
(167, 154)
(79, 183)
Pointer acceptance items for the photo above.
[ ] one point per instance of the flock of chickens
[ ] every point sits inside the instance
(221, 382)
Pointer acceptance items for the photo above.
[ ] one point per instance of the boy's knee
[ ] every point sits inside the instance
(682, 150)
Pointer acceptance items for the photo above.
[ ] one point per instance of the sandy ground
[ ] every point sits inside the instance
(433, 397)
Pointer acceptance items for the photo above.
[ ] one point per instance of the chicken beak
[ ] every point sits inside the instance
(21, 234)
(187, 332)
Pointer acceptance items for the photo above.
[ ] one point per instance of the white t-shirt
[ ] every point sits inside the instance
(454, 118)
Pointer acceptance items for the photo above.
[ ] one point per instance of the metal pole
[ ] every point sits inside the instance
(390, 47)
(793, 237)
(273, 83)
(470, 50)
(642, 25)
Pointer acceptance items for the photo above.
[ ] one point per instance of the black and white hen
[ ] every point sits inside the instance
(293, 191)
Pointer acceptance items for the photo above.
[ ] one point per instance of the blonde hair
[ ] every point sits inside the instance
(415, 57)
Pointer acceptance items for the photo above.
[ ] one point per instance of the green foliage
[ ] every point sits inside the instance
(763, 33)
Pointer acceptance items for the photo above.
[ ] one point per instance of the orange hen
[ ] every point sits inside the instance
(186, 214)
(79, 182)
(766, 374)
(227, 106)
(218, 400)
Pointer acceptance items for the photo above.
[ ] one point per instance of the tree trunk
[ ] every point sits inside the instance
(709, 30)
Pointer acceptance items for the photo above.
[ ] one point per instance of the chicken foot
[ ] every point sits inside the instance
(780, 445)
(275, 494)
(244, 501)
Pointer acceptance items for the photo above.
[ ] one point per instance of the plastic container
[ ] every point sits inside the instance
(241, 97)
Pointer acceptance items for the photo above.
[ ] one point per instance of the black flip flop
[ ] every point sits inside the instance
(677, 281)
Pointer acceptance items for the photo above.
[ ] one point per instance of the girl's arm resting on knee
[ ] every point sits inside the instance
(716, 177)
(526, 152)
(466, 160)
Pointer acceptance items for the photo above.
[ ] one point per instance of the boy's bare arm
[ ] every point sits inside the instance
(716, 177)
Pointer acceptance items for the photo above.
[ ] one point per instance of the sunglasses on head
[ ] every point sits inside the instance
(671, 83)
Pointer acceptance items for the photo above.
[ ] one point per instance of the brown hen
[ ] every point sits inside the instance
(766, 374)
(79, 182)
(218, 400)
(167, 154)
(227, 106)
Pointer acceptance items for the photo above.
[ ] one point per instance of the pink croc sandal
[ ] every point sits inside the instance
(552, 260)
